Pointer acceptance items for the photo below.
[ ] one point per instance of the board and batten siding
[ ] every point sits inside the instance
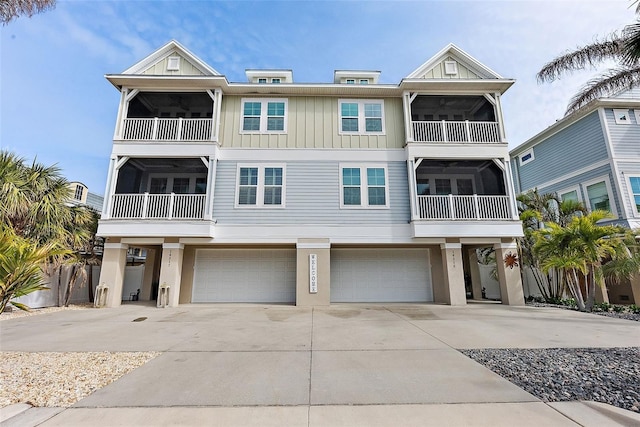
(438, 72)
(312, 197)
(570, 149)
(312, 122)
(160, 68)
(625, 139)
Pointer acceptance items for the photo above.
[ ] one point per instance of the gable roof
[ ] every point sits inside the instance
(454, 52)
(169, 49)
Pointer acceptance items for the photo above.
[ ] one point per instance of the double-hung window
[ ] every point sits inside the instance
(599, 195)
(364, 186)
(361, 117)
(264, 116)
(260, 186)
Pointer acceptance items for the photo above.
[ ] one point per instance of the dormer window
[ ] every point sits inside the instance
(262, 80)
(351, 81)
(364, 81)
(276, 80)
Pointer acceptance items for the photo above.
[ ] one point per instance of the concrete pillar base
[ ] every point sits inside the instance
(313, 271)
(114, 261)
(511, 291)
(171, 274)
(452, 291)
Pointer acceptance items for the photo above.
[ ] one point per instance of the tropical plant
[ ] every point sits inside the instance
(11, 9)
(578, 251)
(21, 263)
(622, 47)
(34, 207)
(536, 210)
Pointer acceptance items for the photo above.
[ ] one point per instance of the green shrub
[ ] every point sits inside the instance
(619, 308)
(634, 309)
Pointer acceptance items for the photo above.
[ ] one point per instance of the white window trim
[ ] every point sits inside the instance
(264, 115)
(171, 176)
(173, 63)
(618, 113)
(450, 68)
(260, 187)
(634, 210)
(529, 160)
(575, 188)
(637, 114)
(612, 200)
(364, 193)
(361, 117)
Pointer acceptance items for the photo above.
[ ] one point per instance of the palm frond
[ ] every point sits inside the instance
(631, 35)
(585, 56)
(609, 82)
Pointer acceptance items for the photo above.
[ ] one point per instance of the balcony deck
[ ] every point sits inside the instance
(157, 206)
(167, 129)
(456, 131)
(463, 208)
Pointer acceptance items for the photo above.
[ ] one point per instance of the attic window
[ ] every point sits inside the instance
(527, 157)
(622, 117)
(364, 81)
(276, 80)
(173, 63)
(261, 80)
(450, 68)
(351, 81)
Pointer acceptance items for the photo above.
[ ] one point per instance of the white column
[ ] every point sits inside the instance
(171, 271)
(453, 274)
(511, 291)
(114, 261)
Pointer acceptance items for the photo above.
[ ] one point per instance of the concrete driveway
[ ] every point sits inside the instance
(339, 365)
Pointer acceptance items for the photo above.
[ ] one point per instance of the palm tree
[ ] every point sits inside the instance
(623, 48)
(578, 251)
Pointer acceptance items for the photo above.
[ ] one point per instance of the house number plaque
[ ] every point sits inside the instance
(313, 273)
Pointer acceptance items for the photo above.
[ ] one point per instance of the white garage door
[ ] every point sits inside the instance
(244, 275)
(380, 275)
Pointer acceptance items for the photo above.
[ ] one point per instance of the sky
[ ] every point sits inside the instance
(57, 107)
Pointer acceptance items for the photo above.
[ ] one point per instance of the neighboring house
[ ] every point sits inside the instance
(309, 193)
(592, 156)
(82, 196)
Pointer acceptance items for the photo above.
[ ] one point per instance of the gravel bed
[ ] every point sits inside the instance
(610, 375)
(625, 315)
(61, 379)
(16, 313)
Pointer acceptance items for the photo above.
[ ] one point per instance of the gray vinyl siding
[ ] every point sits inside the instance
(312, 122)
(571, 149)
(628, 169)
(625, 139)
(629, 94)
(577, 180)
(312, 197)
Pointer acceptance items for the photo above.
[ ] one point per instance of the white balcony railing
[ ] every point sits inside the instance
(157, 129)
(473, 207)
(461, 131)
(157, 206)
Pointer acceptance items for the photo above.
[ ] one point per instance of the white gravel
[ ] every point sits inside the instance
(61, 379)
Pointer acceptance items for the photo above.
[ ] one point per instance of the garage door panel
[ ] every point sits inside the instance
(244, 275)
(380, 275)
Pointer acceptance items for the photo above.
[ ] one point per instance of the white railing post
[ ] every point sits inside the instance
(444, 131)
(171, 205)
(466, 123)
(145, 205)
(154, 131)
(452, 213)
(179, 132)
(476, 206)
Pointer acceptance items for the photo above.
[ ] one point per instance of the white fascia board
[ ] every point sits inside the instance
(155, 228)
(164, 51)
(348, 233)
(164, 149)
(452, 151)
(167, 83)
(293, 154)
(454, 51)
(456, 86)
(467, 229)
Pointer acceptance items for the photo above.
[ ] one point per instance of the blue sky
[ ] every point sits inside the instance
(55, 103)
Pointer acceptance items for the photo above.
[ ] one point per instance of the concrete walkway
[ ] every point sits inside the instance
(345, 365)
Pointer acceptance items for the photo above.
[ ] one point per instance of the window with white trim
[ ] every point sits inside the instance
(572, 194)
(634, 190)
(351, 81)
(637, 114)
(526, 157)
(79, 192)
(361, 116)
(260, 186)
(364, 186)
(264, 116)
(622, 116)
(599, 195)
